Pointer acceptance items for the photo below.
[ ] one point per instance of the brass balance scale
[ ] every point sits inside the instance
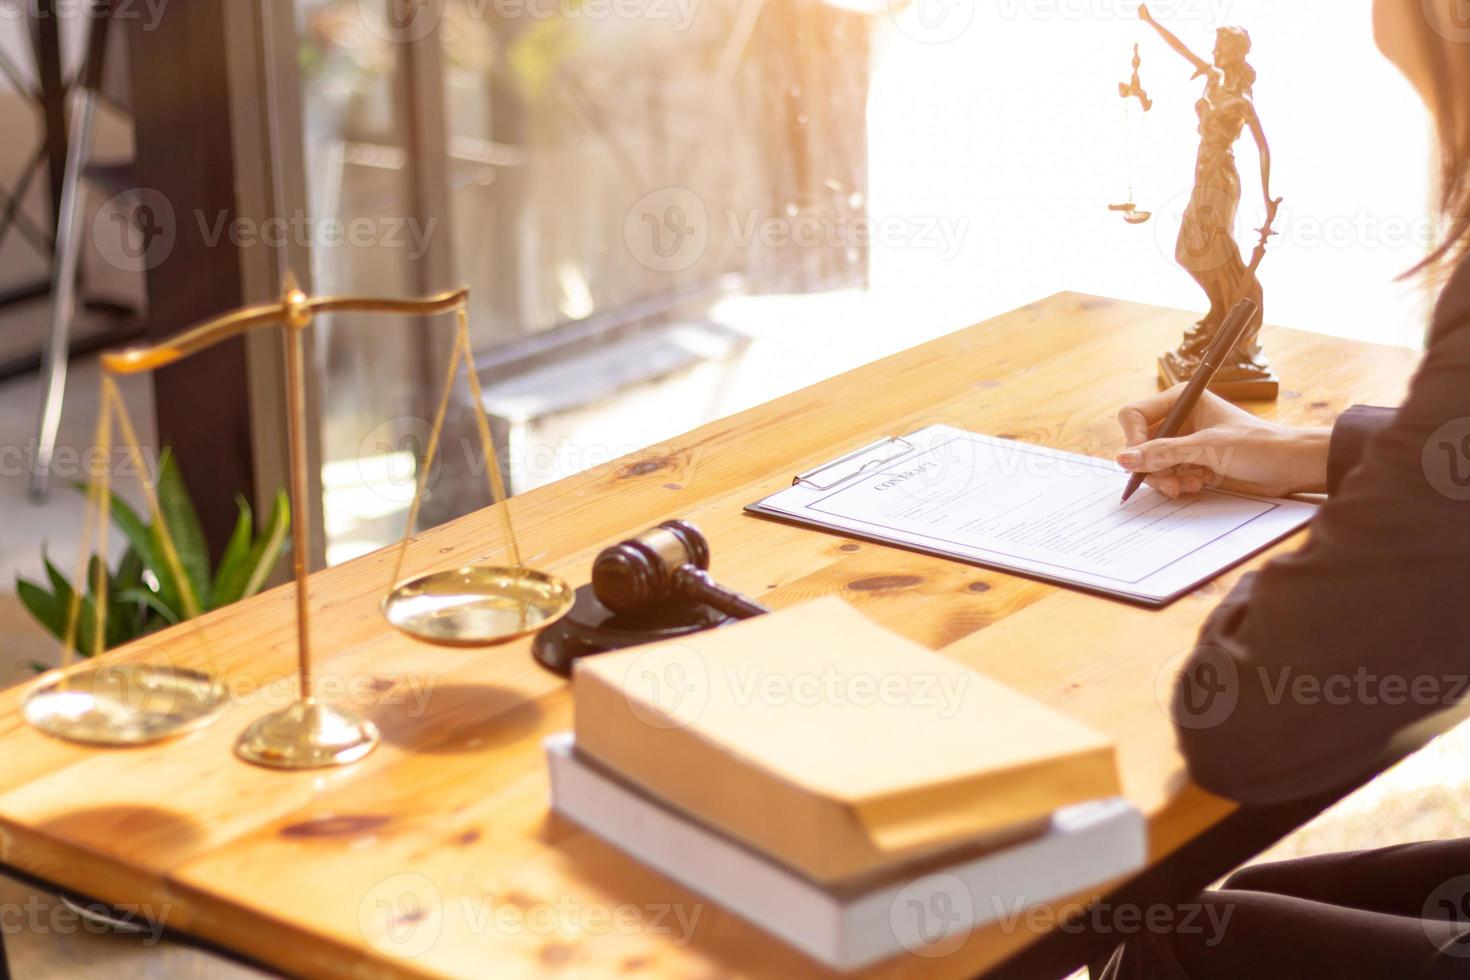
(1128, 91)
(133, 703)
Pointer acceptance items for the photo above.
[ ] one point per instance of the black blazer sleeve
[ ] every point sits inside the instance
(1305, 672)
(1350, 438)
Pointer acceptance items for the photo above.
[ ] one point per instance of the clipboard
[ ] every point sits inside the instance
(880, 453)
(1195, 539)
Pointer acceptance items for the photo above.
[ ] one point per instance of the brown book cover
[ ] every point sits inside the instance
(831, 744)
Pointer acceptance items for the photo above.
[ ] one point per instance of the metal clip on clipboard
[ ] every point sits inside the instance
(855, 464)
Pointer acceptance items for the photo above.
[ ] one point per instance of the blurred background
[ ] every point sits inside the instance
(829, 182)
(671, 211)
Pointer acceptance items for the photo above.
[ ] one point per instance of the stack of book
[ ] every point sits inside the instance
(841, 787)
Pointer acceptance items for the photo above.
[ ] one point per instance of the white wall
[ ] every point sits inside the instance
(1016, 125)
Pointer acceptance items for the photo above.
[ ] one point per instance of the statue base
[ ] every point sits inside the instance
(1236, 383)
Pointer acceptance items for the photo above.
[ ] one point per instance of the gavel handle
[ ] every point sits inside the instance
(690, 582)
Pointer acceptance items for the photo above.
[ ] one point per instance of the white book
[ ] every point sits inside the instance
(921, 912)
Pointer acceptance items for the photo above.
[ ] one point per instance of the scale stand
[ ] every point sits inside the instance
(130, 703)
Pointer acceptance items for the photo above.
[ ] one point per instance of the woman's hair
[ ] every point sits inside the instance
(1448, 61)
(1233, 44)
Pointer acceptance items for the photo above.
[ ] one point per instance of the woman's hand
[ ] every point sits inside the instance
(1222, 446)
(1144, 14)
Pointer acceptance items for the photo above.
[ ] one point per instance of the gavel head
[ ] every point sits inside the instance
(638, 572)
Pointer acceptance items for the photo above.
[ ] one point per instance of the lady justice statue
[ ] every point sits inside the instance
(1206, 246)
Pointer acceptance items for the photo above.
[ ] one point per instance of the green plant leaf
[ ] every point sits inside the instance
(42, 606)
(148, 591)
(130, 570)
(268, 547)
(97, 574)
(234, 567)
(182, 522)
(51, 609)
(65, 597)
(125, 616)
(146, 544)
(85, 613)
(114, 623)
(151, 601)
(129, 575)
(60, 586)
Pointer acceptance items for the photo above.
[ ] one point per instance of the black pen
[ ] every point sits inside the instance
(1224, 342)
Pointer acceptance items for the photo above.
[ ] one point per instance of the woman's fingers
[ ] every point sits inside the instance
(1140, 418)
(1157, 455)
(1136, 427)
(1182, 480)
(1165, 483)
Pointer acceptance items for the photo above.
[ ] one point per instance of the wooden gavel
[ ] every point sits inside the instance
(670, 561)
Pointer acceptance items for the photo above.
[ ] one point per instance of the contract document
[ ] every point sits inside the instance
(1034, 511)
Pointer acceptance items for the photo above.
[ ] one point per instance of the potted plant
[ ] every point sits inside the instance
(143, 594)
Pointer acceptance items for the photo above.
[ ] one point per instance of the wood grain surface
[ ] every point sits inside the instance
(437, 855)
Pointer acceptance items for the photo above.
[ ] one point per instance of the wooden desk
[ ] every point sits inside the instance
(298, 869)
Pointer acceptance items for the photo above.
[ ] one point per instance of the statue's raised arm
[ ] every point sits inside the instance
(1201, 66)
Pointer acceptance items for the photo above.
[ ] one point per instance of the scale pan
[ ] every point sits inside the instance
(477, 606)
(1137, 217)
(123, 704)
